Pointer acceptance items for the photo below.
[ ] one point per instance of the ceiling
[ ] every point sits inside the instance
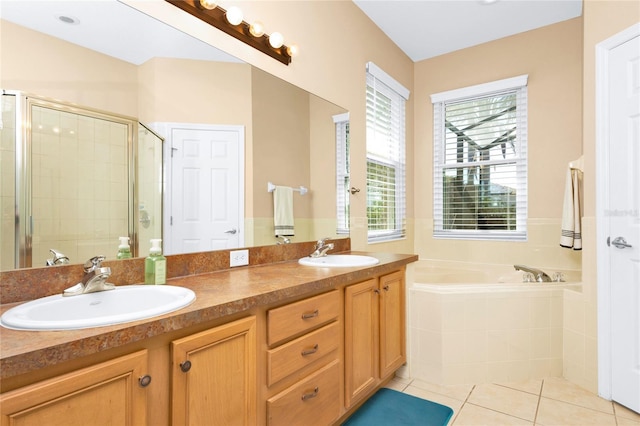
(427, 28)
(421, 28)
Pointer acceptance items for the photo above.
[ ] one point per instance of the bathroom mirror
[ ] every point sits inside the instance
(159, 75)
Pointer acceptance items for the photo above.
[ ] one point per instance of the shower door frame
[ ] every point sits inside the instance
(23, 182)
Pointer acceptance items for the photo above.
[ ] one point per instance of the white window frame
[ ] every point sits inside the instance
(440, 100)
(341, 122)
(381, 82)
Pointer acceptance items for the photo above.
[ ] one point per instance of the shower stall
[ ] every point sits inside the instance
(73, 180)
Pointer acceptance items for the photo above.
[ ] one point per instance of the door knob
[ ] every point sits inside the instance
(618, 242)
(231, 231)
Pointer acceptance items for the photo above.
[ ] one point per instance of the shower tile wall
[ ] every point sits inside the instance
(7, 182)
(79, 185)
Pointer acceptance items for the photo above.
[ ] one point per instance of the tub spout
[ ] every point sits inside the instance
(541, 277)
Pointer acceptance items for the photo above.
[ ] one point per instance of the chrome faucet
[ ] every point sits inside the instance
(94, 278)
(540, 276)
(322, 248)
(57, 259)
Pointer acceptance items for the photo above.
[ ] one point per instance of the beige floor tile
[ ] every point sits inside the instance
(472, 415)
(557, 413)
(529, 386)
(459, 392)
(396, 384)
(563, 390)
(622, 411)
(452, 403)
(508, 401)
(627, 422)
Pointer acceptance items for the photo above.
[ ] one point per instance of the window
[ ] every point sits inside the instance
(480, 161)
(343, 182)
(386, 193)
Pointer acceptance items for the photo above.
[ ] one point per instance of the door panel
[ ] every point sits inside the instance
(624, 221)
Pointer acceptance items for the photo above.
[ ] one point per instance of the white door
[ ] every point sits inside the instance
(206, 189)
(624, 221)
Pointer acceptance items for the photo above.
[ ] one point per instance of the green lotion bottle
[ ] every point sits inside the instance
(124, 251)
(155, 265)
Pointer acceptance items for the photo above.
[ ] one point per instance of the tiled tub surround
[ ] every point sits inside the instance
(467, 328)
(276, 278)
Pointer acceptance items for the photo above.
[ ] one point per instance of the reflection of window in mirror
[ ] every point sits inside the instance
(342, 172)
(386, 192)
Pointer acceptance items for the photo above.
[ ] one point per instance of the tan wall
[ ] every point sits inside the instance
(602, 19)
(73, 74)
(336, 40)
(552, 58)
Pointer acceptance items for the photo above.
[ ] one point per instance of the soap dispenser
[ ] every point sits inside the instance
(124, 251)
(155, 265)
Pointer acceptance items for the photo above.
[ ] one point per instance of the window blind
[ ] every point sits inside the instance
(343, 180)
(386, 192)
(480, 163)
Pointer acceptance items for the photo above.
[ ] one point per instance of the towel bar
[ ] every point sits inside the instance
(302, 190)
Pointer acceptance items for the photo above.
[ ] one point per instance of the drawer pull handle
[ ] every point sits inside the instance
(309, 315)
(311, 394)
(310, 351)
(185, 366)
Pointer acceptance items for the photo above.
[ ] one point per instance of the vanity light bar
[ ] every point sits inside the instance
(216, 17)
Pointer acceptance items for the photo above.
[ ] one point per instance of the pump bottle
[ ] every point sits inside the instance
(155, 265)
(124, 251)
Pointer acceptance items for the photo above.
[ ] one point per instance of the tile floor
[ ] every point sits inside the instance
(548, 402)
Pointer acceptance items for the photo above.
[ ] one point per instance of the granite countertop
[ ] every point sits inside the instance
(218, 294)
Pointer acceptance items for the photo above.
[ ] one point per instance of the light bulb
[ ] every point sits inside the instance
(234, 15)
(256, 29)
(208, 4)
(276, 40)
(293, 50)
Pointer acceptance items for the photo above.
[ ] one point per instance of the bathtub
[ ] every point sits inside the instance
(483, 325)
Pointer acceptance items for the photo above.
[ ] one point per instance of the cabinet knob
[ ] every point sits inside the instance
(309, 315)
(310, 351)
(310, 395)
(376, 291)
(386, 288)
(144, 381)
(185, 366)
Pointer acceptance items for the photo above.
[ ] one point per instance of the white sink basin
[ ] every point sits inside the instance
(339, 261)
(123, 304)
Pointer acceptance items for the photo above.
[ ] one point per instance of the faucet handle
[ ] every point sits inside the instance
(93, 263)
(321, 242)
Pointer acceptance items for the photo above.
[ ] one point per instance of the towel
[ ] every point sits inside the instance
(572, 211)
(283, 211)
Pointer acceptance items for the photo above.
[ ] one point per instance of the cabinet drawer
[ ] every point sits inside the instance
(312, 401)
(294, 318)
(301, 352)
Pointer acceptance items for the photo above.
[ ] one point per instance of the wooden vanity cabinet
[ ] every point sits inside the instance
(214, 376)
(303, 367)
(107, 393)
(374, 333)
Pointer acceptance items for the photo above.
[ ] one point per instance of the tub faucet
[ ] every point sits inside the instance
(94, 278)
(541, 277)
(322, 248)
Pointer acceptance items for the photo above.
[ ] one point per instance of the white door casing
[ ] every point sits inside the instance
(618, 216)
(204, 187)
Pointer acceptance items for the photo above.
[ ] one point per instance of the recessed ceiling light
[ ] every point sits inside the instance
(67, 19)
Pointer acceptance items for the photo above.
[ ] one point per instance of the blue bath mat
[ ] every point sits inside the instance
(392, 408)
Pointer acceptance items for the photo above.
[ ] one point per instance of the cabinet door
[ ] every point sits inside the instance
(361, 340)
(108, 393)
(392, 323)
(214, 376)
